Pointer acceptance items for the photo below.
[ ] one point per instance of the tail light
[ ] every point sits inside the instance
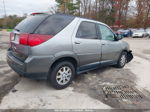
(33, 39)
(23, 39)
(11, 36)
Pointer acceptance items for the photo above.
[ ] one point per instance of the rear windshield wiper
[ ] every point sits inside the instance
(17, 30)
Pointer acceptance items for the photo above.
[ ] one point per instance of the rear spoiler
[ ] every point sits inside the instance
(38, 13)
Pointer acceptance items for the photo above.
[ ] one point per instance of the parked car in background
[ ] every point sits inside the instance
(148, 31)
(57, 47)
(139, 34)
(125, 33)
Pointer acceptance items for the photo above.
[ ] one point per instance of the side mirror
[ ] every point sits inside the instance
(119, 37)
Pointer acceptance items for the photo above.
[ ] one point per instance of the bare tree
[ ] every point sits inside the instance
(53, 10)
(112, 12)
(143, 13)
(147, 14)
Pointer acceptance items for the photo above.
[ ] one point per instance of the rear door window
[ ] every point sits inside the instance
(87, 30)
(29, 24)
(54, 24)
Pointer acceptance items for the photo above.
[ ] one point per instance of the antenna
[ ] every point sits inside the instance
(4, 7)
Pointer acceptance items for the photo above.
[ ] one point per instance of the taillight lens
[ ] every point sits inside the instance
(11, 35)
(24, 39)
(33, 39)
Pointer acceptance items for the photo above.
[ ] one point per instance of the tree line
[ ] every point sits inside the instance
(122, 13)
(10, 22)
(126, 13)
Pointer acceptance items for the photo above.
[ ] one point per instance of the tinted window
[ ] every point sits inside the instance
(29, 24)
(54, 24)
(106, 33)
(87, 30)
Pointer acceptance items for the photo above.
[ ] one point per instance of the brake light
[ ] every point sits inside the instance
(11, 35)
(37, 13)
(23, 39)
(36, 39)
(33, 39)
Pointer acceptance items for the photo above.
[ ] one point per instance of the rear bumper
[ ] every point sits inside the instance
(32, 67)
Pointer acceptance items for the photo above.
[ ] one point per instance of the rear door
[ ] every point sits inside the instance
(87, 44)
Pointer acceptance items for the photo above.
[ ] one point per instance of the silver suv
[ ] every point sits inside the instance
(57, 47)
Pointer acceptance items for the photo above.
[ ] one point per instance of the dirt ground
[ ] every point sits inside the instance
(104, 88)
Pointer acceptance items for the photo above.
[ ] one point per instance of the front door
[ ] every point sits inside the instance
(110, 47)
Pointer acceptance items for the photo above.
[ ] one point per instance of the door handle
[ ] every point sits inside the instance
(77, 42)
(103, 44)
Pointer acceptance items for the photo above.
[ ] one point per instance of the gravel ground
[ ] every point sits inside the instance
(86, 91)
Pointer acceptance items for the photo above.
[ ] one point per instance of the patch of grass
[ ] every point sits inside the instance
(9, 30)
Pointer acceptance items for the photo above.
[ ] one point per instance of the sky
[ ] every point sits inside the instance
(20, 7)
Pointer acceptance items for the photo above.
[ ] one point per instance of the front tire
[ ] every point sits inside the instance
(122, 60)
(61, 75)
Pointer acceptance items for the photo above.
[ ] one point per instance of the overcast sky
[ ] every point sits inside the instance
(20, 7)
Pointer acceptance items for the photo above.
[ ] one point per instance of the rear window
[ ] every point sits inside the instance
(54, 24)
(29, 24)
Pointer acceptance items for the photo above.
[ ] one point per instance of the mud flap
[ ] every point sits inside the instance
(129, 56)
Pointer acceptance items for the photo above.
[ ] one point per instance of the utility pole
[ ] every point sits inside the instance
(4, 8)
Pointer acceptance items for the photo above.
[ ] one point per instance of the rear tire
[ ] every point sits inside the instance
(122, 60)
(61, 75)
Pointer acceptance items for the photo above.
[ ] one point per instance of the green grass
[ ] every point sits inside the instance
(9, 30)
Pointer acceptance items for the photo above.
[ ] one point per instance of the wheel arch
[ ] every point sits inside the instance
(125, 50)
(71, 59)
(129, 55)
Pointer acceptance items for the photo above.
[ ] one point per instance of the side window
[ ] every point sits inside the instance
(54, 24)
(87, 30)
(106, 33)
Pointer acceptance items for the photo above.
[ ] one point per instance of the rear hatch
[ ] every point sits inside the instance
(35, 30)
(22, 30)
